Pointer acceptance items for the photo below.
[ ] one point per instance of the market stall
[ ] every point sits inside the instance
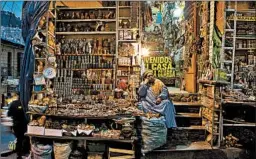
(86, 59)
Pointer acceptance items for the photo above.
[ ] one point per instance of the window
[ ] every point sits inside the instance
(9, 63)
(19, 62)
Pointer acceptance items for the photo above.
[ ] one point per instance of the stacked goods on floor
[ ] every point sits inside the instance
(184, 97)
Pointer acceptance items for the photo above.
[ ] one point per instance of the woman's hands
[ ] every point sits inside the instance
(146, 81)
(158, 101)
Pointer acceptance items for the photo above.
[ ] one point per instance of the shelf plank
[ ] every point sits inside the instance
(86, 20)
(228, 48)
(253, 104)
(124, 65)
(125, 7)
(80, 138)
(86, 33)
(110, 55)
(211, 82)
(80, 117)
(193, 127)
(82, 8)
(128, 41)
(188, 115)
(242, 125)
(127, 29)
(187, 104)
(243, 20)
(92, 69)
(245, 48)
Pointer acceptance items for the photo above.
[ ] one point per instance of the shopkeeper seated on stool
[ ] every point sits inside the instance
(154, 97)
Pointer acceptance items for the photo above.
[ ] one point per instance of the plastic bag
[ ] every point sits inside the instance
(153, 133)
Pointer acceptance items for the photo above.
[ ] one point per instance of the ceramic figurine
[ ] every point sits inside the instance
(109, 74)
(40, 66)
(82, 15)
(77, 15)
(86, 15)
(92, 15)
(89, 74)
(42, 22)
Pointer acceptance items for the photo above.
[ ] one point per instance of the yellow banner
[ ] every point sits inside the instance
(161, 66)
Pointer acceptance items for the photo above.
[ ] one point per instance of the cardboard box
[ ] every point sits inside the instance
(53, 132)
(35, 130)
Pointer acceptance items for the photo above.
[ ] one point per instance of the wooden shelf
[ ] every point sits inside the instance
(110, 55)
(124, 65)
(193, 127)
(91, 69)
(86, 20)
(122, 76)
(188, 115)
(127, 41)
(243, 37)
(241, 125)
(124, 17)
(187, 104)
(232, 103)
(211, 82)
(35, 92)
(79, 117)
(86, 33)
(243, 20)
(247, 11)
(125, 7)
(127, 29)
(40, 58)
(79, 138)
(245, 48)
(81, 8)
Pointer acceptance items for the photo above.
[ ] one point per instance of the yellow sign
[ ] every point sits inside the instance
(161, 66)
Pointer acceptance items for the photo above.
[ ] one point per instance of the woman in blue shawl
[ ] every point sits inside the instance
(154, 97)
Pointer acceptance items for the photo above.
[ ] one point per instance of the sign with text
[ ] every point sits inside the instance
(161, 66)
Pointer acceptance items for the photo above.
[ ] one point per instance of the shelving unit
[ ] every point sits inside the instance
(210, 92)
(238, 40)
(128, 43)
(86, 56)
(91, 35)
(44, 46)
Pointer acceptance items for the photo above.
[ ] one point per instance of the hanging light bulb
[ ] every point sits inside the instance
(177, 12)
(144, 52)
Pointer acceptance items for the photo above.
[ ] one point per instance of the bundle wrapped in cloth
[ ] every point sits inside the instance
(153, 133)
(40, 151)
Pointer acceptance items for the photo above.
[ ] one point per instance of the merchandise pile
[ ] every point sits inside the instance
(237, 96)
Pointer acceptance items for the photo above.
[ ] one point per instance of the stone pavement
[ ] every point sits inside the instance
(6, 137)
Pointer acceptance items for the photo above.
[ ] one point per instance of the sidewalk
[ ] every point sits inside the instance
(6, 137)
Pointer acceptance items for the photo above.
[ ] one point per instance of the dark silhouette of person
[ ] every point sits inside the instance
(19, 127)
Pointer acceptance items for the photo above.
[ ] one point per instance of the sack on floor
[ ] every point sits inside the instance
(62, 150)
(40, 151)
(153, 133)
